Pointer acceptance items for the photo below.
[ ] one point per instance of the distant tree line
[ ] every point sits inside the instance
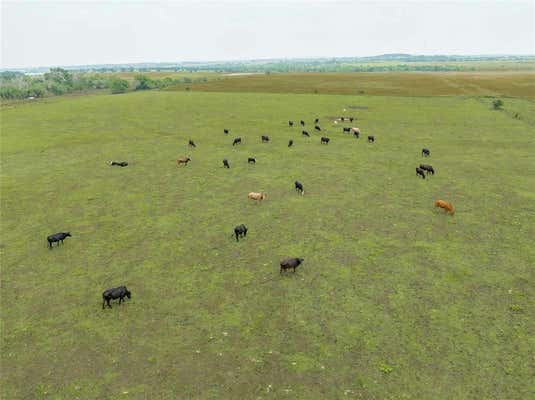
(58, 81)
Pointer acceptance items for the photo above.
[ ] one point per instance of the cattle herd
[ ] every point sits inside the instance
(240, 231)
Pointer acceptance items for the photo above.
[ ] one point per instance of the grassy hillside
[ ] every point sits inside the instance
(395, 300)
(513, 84)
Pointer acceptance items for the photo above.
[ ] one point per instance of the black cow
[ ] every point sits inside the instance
(299, 187)
(346, 130)
(291, 263)
(371, 139)
(57, 237)
(427, 168)
(225, 163)
(305, 133)
(351, 119)
(119, 164)
(302, 123)
(425, 152)
(251, 160)
(325, 140)
(420, 172)
(290, 143)
(236, 141)
(342, 119)
(225, 131)
(317, 128)
(290, 123)
(316, 120)
(191, 144)
(113, 294)
(265, 138)
(240, 230)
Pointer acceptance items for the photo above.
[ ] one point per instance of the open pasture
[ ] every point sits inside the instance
(395, 300)
(491, 83)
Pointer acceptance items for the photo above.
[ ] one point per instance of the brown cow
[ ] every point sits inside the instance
(447, 206)
(183, 160)
(256, 196)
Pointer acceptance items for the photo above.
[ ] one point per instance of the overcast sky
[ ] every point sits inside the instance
(45, 33)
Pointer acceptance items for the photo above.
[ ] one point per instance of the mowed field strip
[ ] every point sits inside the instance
(395, 300)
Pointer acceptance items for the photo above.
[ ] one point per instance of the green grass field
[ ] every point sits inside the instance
(395, 300)
(496, 83)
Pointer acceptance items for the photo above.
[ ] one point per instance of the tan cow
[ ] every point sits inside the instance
(256, 196)
(447, 206)
(184, 160)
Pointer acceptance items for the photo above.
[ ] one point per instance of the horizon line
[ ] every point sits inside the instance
(238, 60)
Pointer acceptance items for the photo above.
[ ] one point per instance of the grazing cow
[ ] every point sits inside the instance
(225, 163)
(225, 131)
(351, 119)
(57, 237)
(265, 138)
(251, 160)
(240, 230)
(290, 143)
(317, 120)
(427, 168)
(325, 140)
(113, 294)
(346, 130)
(302, 123)
(342, 119)
(191, 144)
(305, 133)
(420, 172)
(371, 139)
(183, 160)
(290, 123)
(299, 187)
(356, 132)
(119, 164)
(236, 141)
(257, 196)
(291, 263)
(317, 128)
(447, 206)
(425, 152)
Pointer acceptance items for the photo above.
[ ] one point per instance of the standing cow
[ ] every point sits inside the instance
(420, 172)
(113, 294)
(428, 169)
(240, 231)
(57, 238)
(299, 187)
(290, 263)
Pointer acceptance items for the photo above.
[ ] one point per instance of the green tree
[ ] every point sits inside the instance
(59, 76)
(497, 104)
(144, 83)
(118, 85)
